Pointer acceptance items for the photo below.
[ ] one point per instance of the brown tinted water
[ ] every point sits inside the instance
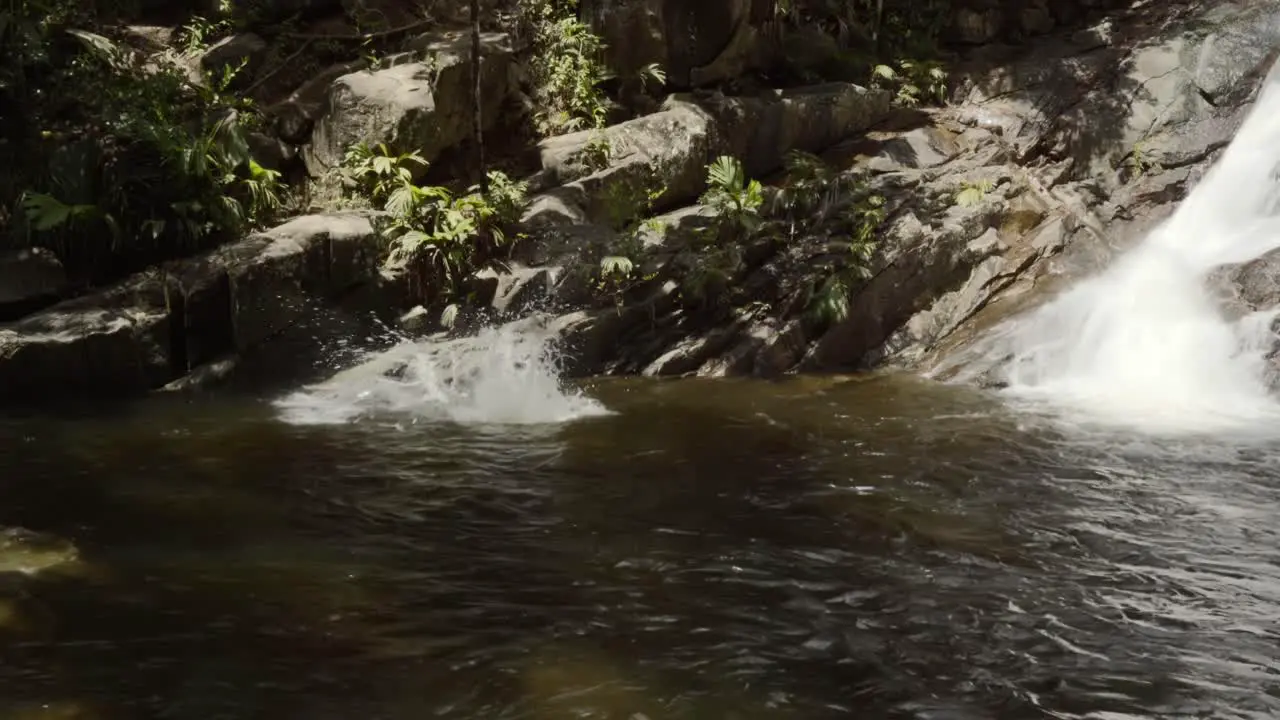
(815, 548)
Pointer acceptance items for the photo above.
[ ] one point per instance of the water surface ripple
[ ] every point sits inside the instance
(808, 549)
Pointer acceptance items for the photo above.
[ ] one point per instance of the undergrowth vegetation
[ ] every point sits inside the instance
(118, 159)
(441, 236)
(115, 161)
(829, 217)
(890, 44)
(567, 68)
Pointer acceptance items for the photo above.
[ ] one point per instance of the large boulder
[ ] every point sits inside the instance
(674, 146)
(114, 342)
(670, 147)
(159, 325)
(30, 278)
(697, 43)
(421, 105)
(237, 298)
(761, 129)
(295, 117)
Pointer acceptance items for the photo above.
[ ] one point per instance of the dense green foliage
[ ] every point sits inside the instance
(443, 236)
(813, 207)
(832, 217)
(115, 161)
(567, 69)
(879, 28)
(893, 44)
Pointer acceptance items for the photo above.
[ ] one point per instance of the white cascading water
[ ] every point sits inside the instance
(1144, 344)
(504, 375)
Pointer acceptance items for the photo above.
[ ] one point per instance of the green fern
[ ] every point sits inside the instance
(652, 73)
(431, 228)
(830, 302)
(733, 199)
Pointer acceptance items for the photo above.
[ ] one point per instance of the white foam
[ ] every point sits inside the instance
(504, 375)
(1144, 344)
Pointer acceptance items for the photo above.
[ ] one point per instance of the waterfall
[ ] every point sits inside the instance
(1144, 344)
(504, 375)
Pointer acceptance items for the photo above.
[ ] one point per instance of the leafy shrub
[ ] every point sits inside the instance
(814, 207)
(118, 162)
(895, 42)
(444, 236)
(914, 82)
(567, 69)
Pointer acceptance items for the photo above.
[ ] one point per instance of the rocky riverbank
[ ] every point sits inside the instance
(1046, 158)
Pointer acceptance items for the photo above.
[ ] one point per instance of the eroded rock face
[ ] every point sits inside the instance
(417, 105)
(1116, 132)
(162, 324)
(697, 43)
(30, 278)
(675, 145)
(1084, 144)
(937, 263)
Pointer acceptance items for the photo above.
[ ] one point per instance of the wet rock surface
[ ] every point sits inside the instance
(1086, 142)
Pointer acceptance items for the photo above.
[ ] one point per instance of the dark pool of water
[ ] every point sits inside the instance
(811, 549)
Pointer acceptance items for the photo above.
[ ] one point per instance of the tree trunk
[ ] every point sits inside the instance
(477, 118)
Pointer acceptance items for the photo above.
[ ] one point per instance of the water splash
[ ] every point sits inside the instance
(506, 375)
(1145, 344)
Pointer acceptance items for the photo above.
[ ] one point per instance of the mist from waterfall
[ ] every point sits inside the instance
(1144, 344)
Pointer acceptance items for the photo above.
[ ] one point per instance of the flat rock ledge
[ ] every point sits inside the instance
(163, 324)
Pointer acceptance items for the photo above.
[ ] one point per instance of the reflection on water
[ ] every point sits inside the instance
(807, 549)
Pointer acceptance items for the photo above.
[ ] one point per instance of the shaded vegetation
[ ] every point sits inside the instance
(117, 161)
(831, 217)
(863, 40)
(443, 237)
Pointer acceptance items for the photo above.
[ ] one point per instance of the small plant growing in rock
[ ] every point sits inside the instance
(651, 74)
(813, 206)
(375, 172)
(733, 199)
(1138, 162)
(199, 32)
(597, 152)
(626, 205)
(567, 70)
(914, 82)
(444, 236)
(973, 193)
(714, 254)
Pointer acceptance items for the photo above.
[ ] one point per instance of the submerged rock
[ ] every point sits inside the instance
(27, 552)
